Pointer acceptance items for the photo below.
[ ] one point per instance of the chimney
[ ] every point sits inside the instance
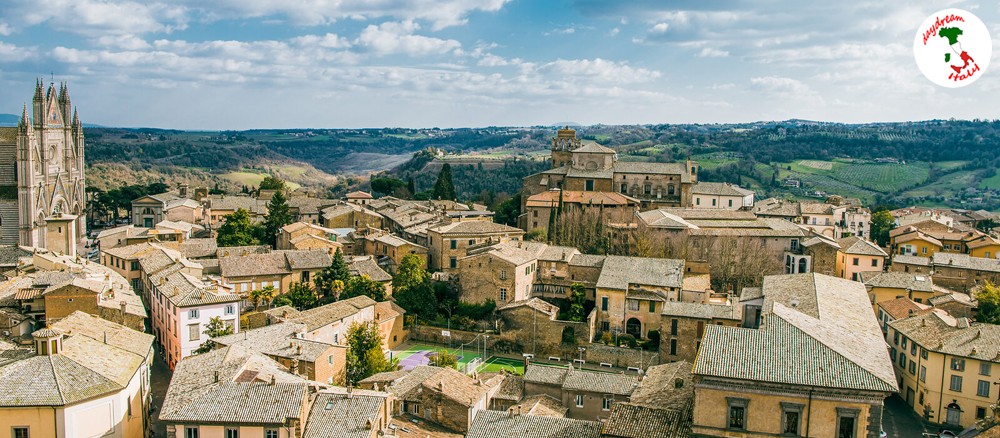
(272, 379)
(350, 390)
(216, 376)
(298, 349)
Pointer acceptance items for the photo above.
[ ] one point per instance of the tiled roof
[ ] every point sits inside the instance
(366, 265)
(587, 260)
(535, 303)
(407, 386)
(515, 252)
(277, 340)
(9, 255)
(899, 280)
(242, 250)
(777, 207)
(196, 396)
(816, 330)
(551, 198)
(343, 416)
(956, 297)
(659, 387)
(607, 173)
(395, 241)
(386, 310)
(605, 383)
(198, 248)
(983, 241)
(511, 387)
(619, 272)
(719, 189)
(595, 148)
(859, 246)
(8, 134)
(938, 331)
(697, 282)
(903, 307)
(540, 404)
(455, 385)
(86, 367)
(358, 195)
(703, 311)
(654, 168)
(548, 375)
(252, 205)
(965, 261)
(308, 259)
(917, 235)
(709, 214)
(911, 260)
(496, 424)
(254, 265)
(475, 227)
(817, 240)
(183, 290)
(328, 314)
(554, 253)
(628, 420)
(815, 208)
(310, 205)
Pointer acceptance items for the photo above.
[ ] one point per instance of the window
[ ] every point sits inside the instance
(194, 332)
(730, 202)
(923, 373)
(984, 368)
(737, 412)
(193, 314)
(980, 413)
(794, 244)
(232, 433)
(956, 383)
(983, 388)
(902, 361)
(652, 306)
(892, 354)
(713, 202)
(697, 201)
(454, 244)
(329, 359)
(229, 309)
(579, 401)
(701, 329)
(624, 188)
(453, 262)
(856, 260)
(604, 304)
(673, 347)
(648, 189)
(191, 432)
(923, 250)
(904, 344)
(874, 263)
(271, 433)
(589, 184)
(913, 348)
(20, 432)
(846, 422)
(633, 305)
(791, 414)
(606, 404)
(605, 326)
(957, 364)
(913, 367)
(673, 327)
(503, 294)
(135, 265)
(895, 338)
(503, 275)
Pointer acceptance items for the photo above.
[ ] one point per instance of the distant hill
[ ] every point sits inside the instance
(11, 120)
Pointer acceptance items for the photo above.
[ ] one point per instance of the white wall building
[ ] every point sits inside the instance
(720, 195)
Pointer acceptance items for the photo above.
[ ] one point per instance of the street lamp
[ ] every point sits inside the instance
(449, 324)
(581, 350)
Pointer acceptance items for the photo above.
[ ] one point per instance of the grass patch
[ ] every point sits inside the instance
(885, 178)
(992, 182)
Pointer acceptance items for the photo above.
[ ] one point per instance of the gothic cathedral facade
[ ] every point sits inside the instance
(41, 169)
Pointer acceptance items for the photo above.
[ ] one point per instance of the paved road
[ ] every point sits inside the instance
(900, 420)
(159, 379)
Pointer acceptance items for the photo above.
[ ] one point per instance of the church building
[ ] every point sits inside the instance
(42, 174)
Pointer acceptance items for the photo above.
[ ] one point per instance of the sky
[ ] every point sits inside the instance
(244, 64)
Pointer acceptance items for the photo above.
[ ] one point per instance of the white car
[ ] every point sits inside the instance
(92, 253)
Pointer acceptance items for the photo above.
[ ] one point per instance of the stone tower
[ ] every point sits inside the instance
(562, 147)
(42, 169)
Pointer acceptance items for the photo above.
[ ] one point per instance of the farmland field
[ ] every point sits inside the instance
(827, 184)
(946, 186)
(885, 178)
(822, 165)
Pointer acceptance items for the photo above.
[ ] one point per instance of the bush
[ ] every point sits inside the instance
(627, 339)
(607, 338)
(478, 312)
(569, 336)
(654, 337)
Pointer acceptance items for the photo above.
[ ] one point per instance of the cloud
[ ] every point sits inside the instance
(5, 29)
(616, 72)
(659, 28)
(127, 42)
(786, 88)
(13, 53)
(330, 41)
(97, 18)
(566, 31)
(613, 32)
(709, 52)
(397, 38)
(728, 86)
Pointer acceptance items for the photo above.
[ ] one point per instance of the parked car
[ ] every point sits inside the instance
(92, 253)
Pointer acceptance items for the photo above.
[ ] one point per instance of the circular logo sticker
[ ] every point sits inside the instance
(952, 48)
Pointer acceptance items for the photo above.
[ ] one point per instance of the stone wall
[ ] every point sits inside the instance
(620, 356)
(529, 330)
(423, 333)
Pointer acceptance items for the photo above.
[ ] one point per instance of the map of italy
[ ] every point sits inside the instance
(952, 33)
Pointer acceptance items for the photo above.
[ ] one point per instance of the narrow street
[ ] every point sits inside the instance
(159, 379)
(900, 420)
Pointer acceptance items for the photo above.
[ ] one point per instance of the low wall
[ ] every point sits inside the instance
(620, 356)
(433, 335)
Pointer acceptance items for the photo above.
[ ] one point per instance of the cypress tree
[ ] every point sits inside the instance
(444, 189)
(411, 187)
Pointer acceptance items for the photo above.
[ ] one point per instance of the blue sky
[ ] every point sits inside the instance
(240, 64)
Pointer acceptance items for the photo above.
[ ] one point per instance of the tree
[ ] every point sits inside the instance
(535, 235)
(362, 285)
(301, 295)
(410, 186)
(412, 288)
(261, 295)
(213, 329)
(579, 298)
(238, 230)
(364, 352)
(989, 304)
(386, 185)
(444, 188)
(278, 215)
(337, 271)
(157, 188)
(987, 225)
(443, 359)
(882, 222)
(272, 183)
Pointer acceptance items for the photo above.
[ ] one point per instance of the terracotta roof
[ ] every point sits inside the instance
(328, 314)
(628, 420)
(916, 235)
(551, 198)
(254, 265)
(965, 261)
(701, 311)
(540, 404)
(340, 415)
(277, 340)
(358, 195)
(366, 265)
(859, 246)
(604, 383)
(938, 331)
(903, 307)
(475, 227)
(496, 424)
(544, 374)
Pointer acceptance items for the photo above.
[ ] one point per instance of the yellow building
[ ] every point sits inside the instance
(857, 255)
(885, 286)
(945, 366)
(916, 243)
(631, 292)
(809, 360)
(85, 377)
(986, 247)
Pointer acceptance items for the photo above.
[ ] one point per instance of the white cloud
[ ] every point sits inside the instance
(127, 42)
(728, 86)
(709, 52)
(613, 32)
(491, 60)
(5, 29)
(566, 31)
(397, 38)
(98, 18)
(616, 72)
(659, 28)
(13, 53)
(330, 41)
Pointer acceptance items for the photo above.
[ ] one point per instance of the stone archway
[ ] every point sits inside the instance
(634, 327)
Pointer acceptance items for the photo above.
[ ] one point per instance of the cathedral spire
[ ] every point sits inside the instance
(38, 90)
(76, 118)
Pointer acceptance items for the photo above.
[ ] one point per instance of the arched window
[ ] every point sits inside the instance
(802, 265)
(147, 210)
(670, 189)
